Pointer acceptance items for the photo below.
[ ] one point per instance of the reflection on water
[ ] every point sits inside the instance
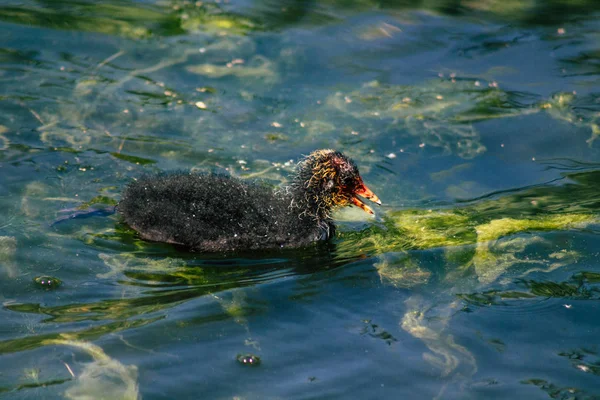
(475, 122)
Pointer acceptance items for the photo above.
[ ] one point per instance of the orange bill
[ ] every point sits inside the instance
(364, 191)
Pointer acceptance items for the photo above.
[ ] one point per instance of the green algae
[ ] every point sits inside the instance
(258, 67)
(401, 270)
(587, 276)
(31, 202)
(8, 249)
(494, 297)
(134, 20)
(496, 243)
(149, 269)
(104, 377)
(4, 142)
(574, 110)
(220, 24)
(124, 20)
(439, 113)
(235, 305)
(490, 248)
(444, 112)
(427, 229)
(445, 354)
(97, 200)
(421, 230)
(492, 258)
(486, 237)
(133, 159)
(498, 228)
(36, 340)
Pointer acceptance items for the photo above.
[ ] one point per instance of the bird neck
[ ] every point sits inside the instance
(307, 197)
(306, 204)
(309, 202)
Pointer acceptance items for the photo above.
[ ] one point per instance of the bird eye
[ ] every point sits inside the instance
(349, 182)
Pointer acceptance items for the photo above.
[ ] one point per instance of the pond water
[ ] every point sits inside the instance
(476, 123)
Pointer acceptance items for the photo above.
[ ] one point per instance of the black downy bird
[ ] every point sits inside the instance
(214, 213)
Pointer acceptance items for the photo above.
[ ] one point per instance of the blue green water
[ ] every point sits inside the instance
(476, 123)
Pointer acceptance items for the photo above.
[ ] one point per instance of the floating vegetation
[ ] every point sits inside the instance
(127, 20)
(134, 20)
(442, 112)
(32, 203)
(237, 49)
(580, 359)
(553, 289)
(216, 22)
(494, 297)
(445, 354)
(119, 264)
(375, 331)
(401, 270)
(258, 67)
(133, 159)
(423, 229)
(104, 377)
(587, 276)
(275, 137)
(235, 305)
(527, 289)
(112, 309)
(56, 137)
(8, 248)
(34, 341)
(493, 258)
(575, 110)
(97, 200)
(477, 244)
(176, 272)
(559, 392)
(439, 113)
(486, 236)
(4, 142)
(378, 31)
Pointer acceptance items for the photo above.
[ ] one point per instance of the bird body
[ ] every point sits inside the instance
(212, 212)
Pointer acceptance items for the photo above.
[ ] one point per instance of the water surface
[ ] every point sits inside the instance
(476, 123)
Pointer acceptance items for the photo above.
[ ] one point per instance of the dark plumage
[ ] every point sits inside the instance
(208, 212)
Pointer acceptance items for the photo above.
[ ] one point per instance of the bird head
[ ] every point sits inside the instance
(330, 180)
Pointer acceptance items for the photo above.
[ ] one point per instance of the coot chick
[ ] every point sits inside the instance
(212, 213)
